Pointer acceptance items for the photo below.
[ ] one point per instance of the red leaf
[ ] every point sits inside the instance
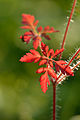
(27, 33)
(35, 44)
(39, 29)
(52, 30)
(21, 37)
(29, 54)
(35, 56)
(27, 58)
(64, 68)
(23, 58)
(51, 52)
(46, 28)
(69, 71)
(43, 45)
(51, 63)
(42, 62)
(46, 49)
(36, 60)
(44, 53)
(26, 27)
(62, 62)
(35, 24)
(40, 70)
(26, 39)
(46, 36)
(57, 68)
(57, 52)
(52, 73)
(34, 52)
(44, 81)
(27, 19)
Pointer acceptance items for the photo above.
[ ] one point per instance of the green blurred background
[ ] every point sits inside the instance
(21, 97)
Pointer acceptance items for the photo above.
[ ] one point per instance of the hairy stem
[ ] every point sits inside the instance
(70, 62)
(68, 24)
(66, 75)
(76, 65)
(73, 57)
(54, 101)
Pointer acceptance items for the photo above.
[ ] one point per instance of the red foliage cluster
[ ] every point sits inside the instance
(29, 24)
(52, 67)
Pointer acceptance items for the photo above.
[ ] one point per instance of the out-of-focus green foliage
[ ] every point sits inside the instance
(21, 97)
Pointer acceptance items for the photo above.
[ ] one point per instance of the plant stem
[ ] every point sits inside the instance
(76, 66)
(54, 101)
(73, 57)
(68, 24)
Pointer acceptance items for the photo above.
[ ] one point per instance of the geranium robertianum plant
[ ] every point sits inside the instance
(53, 70)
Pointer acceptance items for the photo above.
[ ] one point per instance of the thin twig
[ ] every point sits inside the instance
(68, 24)
(54, 101)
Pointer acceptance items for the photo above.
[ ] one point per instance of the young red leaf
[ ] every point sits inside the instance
(57, 52)
(52, 73)
(51, 52)
(36, 60)
(46, 28)
(57, 68)
(63, 67)
(35, 24)
(26, 39)
(35, 44)
(69, 71)
(26, 27)
(40, 70)
(35, 56)
(62, 62)
(27, 58)
(44, 53)
(42, 62)
(44, 81)
(39, 29)
(51, 63)
(42, 45)
(53, 30)
(27, 19)
(28, 33)
(34, 52)
(46, 49)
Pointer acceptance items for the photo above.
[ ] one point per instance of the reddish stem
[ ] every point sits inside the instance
(54, 101)
(66, 75)
(76, 66)
(73, 57)
(66, 31)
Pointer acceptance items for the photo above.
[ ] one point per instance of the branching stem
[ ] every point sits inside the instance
(73, 57)
(66, 75)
